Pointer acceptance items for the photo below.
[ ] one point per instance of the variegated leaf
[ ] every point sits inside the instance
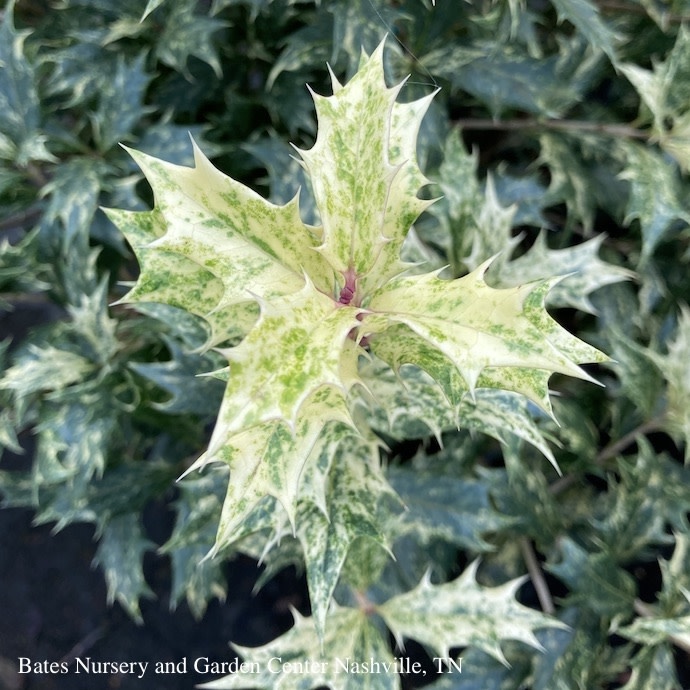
(462, 613)
(310, 300)
(355, 486)
(336, 662)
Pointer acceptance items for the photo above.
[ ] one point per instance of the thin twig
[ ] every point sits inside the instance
(537, 577)
(613, 449)
(84, 645)
(20, 219)
(611, 129)
(633, 8)
(609, 451)
(647, 611)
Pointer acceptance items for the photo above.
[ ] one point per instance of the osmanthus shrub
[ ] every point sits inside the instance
(337, 336)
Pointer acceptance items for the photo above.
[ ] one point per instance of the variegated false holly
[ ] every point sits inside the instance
(309, 302)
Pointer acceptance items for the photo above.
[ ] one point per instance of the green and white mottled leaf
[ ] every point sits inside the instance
(664, 91)
(355, 488)
(655, 630)
(459, 511)
(653, 668)
(570, 179)
(195, 578)
(119, 554)
(121, 103)
(309, 300)
(463, 613)
(655, 195)
(577, 657)
(187, 33)
(515, 347)
(45, 369)
(583, 271)
(20, 114)
(179, 377)
(585, 16)
(351, 639)
(73, 194)
(412, 404)
(674, 367)
(595, 579)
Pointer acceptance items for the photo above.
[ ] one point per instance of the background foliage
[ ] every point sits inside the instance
(559, 139)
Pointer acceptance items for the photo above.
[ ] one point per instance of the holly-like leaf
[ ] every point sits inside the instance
(584, 15)
(664, 93)
(596, 580)
(462, 613)
(655, 194)
(20, 113)
(341, 661)
(310, 300)
(121, 104)
(327, 527)
(653, 668)
(440, 507)
(583, 271)
(674, 367)
(120, 553)
(657, 629)
(186, 33)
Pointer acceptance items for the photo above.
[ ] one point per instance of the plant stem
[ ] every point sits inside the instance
(610, 451)
(611, 129)
(20, 219)
(537, 577)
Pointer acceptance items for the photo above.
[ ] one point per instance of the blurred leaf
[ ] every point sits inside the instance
(182, 378)
(328, 526)
(20, 110)
(585, 16)
(121, 103)
(120, 551)
(196, 578)
(351, 637)
(655, 194)
(584, 272)
(186, 34)
(595, 580)
(73, 194)
(676, 371)
(458, 511)
(653, 668)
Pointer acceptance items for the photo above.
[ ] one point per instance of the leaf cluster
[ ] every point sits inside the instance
(424, 507)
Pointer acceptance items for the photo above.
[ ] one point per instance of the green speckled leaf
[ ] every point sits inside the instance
(310, 300)
(584, 271)
(507, 332)
(463, 613)
(355, 487)
(652, 631)
(655, 195)
(351, 641)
